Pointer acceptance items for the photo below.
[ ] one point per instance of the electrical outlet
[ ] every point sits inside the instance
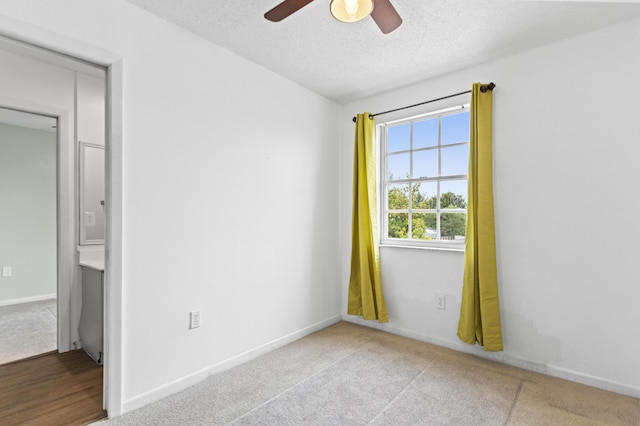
(441, 301)
(7, 271)
(194, 319)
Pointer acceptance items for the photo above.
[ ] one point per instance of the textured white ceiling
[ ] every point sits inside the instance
(348, 61)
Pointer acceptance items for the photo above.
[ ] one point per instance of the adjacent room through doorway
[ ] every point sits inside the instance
(28, 224)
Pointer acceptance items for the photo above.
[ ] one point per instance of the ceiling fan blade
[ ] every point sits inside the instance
(385, 16)
(284, 9)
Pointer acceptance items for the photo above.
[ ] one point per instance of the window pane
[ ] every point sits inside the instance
(423, 195)
(453, 226)
(453, 194)
(398, 197)
(425, 133)
(399, 225)
(398, 166)
(423, 226)
(425, 163)
(455, 128)
(455, 160)
(399, 138)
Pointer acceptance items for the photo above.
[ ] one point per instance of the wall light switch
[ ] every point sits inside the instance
(7, 271)
(89, 218)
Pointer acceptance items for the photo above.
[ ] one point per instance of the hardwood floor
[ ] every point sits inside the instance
(51, 389)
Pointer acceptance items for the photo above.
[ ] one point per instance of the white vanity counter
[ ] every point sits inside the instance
(92, 258)
(97, 264)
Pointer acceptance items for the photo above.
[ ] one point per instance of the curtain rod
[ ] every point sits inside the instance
(483, 89)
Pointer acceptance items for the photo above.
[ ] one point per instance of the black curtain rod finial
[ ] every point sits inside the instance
(486, 87)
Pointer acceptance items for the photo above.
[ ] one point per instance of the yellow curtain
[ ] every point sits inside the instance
(365, 284)
(480, 310)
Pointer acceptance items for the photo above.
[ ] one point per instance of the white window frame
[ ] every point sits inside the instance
(383, 216)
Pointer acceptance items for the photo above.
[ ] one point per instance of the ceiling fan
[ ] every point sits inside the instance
(381, 11)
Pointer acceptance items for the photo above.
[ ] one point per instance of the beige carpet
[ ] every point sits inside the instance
(352, 375)
(27, 329)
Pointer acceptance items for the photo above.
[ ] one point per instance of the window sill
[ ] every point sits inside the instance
(432, 248)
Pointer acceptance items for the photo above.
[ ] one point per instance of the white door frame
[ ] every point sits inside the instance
(113, 188)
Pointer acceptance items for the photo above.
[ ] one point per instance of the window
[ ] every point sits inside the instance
(424, 179)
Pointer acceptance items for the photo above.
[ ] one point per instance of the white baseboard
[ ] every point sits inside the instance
(192, 379)
(27, 299)
(505, 358)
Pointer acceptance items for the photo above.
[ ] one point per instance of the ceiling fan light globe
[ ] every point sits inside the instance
(351, 7)
(351, 10)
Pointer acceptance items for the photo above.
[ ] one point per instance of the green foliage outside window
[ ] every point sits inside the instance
(424, 224)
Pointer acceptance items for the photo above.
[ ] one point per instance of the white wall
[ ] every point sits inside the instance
(229, 181)
(90, 99)
(565, 160)
(28, 213)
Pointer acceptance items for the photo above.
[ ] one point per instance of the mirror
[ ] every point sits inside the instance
(91, 194)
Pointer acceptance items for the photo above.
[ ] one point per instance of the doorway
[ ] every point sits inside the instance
(49, 88)
(28, 224)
